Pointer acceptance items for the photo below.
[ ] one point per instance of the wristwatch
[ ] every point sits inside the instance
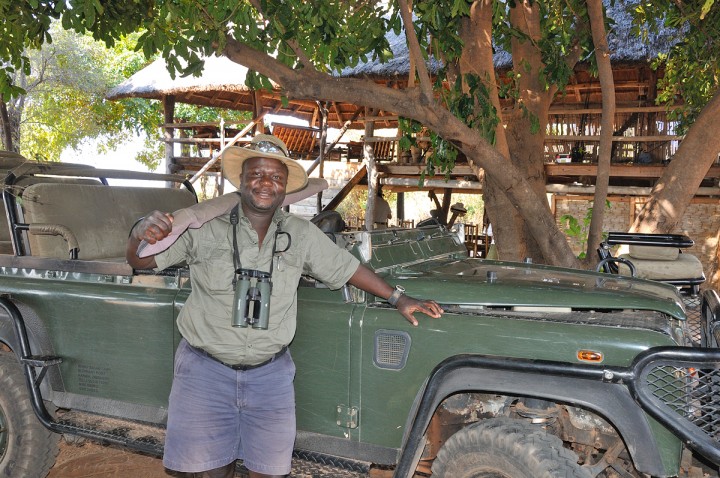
(395, 296)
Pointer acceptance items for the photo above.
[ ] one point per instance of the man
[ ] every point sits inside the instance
(382, 212)
(232, 395)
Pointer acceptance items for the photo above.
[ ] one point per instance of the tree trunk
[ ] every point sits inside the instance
(607, 84)
(526, 147)
(477, 57)
(6, 127)
(682, 177)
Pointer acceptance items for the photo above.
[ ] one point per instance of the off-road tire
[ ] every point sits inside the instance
(505, 448)
(27, 449)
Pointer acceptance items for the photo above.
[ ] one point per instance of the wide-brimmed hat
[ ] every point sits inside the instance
(262, 146)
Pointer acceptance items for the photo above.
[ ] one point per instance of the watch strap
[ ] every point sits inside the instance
(395, 296)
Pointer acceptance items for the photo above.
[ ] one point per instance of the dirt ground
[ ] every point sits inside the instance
(90, 460)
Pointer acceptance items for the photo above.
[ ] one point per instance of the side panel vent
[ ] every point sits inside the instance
(391, 349)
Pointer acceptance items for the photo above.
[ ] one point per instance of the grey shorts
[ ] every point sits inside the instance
(217, 415)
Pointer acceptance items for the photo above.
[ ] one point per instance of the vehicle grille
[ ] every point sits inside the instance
(690, 392)
(680, 387)
(693, 310)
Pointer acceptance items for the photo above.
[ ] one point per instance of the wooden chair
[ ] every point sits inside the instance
(354, 224)
(409, 223)
(384, 150)
(471, 239)
(300, 140)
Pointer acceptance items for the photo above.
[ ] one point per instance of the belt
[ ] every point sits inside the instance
(241, 367)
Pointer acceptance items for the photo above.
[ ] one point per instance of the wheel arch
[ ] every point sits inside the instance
(39, 341)
(550, 381)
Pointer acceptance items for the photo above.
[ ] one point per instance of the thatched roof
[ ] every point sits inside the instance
(220, 74)
(223, 81)
(222, 85)
(397, 66)
(630, 57)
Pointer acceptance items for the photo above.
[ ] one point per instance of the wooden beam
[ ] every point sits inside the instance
(620, 139)
(342, 194)
(587, 192)
(616, 171)
(394, 169)
(382, 118)
(633, 109)
(412, 183)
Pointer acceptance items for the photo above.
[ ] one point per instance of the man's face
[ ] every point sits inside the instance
(262, 183)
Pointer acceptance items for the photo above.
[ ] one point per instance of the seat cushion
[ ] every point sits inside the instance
(653, 252)
(100, 217)
(686, 266)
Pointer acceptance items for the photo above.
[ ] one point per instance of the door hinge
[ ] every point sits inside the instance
(347, 417)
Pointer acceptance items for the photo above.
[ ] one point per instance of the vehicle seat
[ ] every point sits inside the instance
(100, 217)
(660, 263)
(655, 257)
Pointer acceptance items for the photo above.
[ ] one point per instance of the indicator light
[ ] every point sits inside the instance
(590, 356)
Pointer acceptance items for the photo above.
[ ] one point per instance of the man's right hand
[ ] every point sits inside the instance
(154, 227)
(151, 229)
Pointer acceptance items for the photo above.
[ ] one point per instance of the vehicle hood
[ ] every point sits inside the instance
(495, 283)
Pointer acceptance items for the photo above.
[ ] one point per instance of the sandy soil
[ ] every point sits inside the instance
(90, 460)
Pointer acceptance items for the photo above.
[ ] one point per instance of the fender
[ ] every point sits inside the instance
(38, 341)
(600, 389)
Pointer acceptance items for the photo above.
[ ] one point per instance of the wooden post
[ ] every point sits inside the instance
(369, 160)
(400, 207)
(323, 139)
(169, 112)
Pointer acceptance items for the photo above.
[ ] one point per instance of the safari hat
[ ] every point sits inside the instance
(262, 146)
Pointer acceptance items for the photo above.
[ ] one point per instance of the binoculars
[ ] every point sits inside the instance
(252, 299)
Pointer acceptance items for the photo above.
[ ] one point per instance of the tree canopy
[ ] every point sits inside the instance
(303, 46)
(62, 103)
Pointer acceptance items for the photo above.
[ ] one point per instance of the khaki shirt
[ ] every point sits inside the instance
(205, 319)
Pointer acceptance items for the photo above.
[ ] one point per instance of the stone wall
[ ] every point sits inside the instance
(701, 221)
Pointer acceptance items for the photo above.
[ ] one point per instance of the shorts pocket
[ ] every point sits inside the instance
(181, 357)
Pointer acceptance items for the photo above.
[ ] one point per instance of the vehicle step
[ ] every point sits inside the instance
(150, 439)
(139, 436)
(309, 468)
(42, 360)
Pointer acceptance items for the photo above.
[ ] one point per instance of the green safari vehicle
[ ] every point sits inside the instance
(533, 371)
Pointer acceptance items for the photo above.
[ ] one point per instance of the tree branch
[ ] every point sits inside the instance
(415, 52)
(302, 56)
(412, 103)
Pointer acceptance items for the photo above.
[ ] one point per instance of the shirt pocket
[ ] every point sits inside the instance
(216, 268)
(287, 268)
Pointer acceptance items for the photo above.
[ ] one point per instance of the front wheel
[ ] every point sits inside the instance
(505, 448)
(27, 448)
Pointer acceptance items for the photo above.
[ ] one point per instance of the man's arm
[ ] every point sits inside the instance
(368, 281)
(152, 228)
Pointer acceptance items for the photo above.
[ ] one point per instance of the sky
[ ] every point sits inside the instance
(124, 157)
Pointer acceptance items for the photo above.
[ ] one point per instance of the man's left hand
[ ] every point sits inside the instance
(407, 306)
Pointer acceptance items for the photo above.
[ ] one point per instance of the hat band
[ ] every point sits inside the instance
(267, 147)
